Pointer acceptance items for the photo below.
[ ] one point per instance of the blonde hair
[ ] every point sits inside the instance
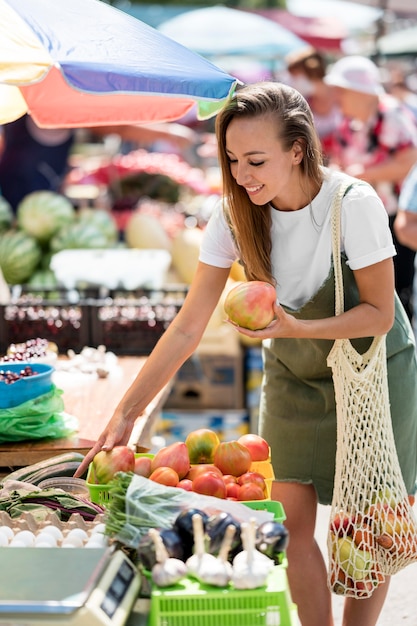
(251, 224)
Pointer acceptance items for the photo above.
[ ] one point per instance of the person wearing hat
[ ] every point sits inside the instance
(306, 69)
(376, 141)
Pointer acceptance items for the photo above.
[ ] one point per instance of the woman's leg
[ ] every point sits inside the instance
(307, 574)
(365, 612)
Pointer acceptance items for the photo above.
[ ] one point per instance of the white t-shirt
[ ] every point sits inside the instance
(301, 245)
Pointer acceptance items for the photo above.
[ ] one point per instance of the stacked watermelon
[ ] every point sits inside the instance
(46, 222)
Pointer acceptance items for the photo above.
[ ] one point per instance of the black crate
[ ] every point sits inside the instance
(131, 322)
(66, 324)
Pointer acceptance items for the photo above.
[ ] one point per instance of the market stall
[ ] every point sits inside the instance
(91, 400)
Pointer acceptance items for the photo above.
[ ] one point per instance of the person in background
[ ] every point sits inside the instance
(398, 87)
(275, 218)
(376, 142)
(405, 224)
(32, 158)
(306, 71)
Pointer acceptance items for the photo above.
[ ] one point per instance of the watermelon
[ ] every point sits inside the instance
(78, 236)
(6, 215)
(19, 256)
(41, 214)
(43, 279)
(102, 220)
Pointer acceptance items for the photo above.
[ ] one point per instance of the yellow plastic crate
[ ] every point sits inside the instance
(100, 494)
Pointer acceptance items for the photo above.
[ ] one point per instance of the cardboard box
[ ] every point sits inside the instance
(213, 376)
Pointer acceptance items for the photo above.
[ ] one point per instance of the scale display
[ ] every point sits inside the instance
(73, 586)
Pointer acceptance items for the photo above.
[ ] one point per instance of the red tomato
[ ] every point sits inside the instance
(251, 491)
(210, 484)
(257, 446)
(165, 476)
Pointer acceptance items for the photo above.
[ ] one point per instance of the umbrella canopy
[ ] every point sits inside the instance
(399, 43)
(407, 7)
(84, 63)
(218, 31)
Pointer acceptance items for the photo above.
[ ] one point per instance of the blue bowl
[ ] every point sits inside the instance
(26, 388)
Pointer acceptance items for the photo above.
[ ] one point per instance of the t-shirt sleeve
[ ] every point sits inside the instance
(217, 247)
(366, 236)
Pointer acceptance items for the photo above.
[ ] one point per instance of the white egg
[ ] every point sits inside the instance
(4, 540)
(45, 538)
(54, 531)
(17, 543)
(43, 544)
(6, 530)
(97, 540)
(26, 536)
(78, 532)
(98, 528)
(72, 542)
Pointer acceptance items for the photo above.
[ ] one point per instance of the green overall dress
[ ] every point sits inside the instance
(297, 410)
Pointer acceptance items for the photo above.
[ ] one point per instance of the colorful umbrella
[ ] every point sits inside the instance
(219, 31)
(80, 63)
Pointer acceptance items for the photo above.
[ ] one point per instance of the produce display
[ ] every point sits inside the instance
(31, 349)
(250, 304)
(202, 464)
(9, 377)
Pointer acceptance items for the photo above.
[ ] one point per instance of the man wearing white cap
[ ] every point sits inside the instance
(377, 142)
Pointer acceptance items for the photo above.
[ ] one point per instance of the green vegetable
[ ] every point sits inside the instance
(78, 236)
(42, 213)
(51, 465)
(6, 215)
(19, 256)
(65, 504)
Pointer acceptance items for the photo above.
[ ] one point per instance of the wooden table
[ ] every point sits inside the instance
(92, 401)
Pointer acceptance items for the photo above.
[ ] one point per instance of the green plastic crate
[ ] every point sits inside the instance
(191, 603)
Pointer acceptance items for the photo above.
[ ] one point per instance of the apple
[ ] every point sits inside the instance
(107, 463)
(143, 466)
(251, 304)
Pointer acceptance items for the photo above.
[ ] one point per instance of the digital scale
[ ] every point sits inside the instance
(66, 586)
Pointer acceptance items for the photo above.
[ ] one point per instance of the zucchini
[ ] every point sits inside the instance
(55, 471)
(24, 474)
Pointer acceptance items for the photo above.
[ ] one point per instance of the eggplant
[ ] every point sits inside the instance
(215, 531)
(272, 539)
(171, 540)
(183, 525)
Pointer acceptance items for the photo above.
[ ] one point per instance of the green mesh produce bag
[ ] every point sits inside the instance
(40, 418)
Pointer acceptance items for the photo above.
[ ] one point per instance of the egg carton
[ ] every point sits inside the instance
(28, 531)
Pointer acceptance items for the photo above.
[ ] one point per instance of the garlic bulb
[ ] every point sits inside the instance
(201, 564)
(167, 570)
(250, 567)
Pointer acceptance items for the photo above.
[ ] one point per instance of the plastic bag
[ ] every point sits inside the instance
(40, 418)
(138, 504)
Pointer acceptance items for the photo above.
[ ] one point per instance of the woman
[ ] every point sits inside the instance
(278, 201)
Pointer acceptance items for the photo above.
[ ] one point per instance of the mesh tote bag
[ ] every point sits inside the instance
(373, 530)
